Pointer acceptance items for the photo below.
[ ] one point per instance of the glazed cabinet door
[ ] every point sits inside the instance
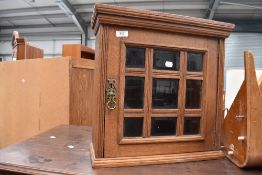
(164, 102)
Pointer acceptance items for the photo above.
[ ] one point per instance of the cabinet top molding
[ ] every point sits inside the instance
(131, 17)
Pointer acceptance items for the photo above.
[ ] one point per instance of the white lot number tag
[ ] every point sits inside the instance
(121, 33)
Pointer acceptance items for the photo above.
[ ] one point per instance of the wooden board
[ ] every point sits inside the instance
(43, 155)
(38, 94)
(34, 97)
(242, 125)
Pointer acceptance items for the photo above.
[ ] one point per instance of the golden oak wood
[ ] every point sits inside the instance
(81, 94)
(81, 83)
(154, 159)
(242, 125)
(155, 30)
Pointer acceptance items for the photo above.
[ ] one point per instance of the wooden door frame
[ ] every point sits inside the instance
(182, 75)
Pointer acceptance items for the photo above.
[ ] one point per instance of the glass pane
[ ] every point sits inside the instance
(165, 93)
(191, 125)
(133, 127)
(193, 94)
(194, 62)
(166, 60)
(135, 57)
(163, 126)
(134, 92)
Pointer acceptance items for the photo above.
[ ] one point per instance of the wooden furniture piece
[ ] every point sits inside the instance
(159, 87)
(78, 51)
(81, 91)
(49, 154)
(26, 51)
(82, 83)
(242, 125)
(38, 94)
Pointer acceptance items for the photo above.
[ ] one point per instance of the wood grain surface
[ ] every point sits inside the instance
(242, 125)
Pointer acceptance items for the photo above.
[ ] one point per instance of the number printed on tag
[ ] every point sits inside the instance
(121, 33)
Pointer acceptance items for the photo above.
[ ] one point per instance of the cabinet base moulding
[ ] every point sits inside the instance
(154, 159)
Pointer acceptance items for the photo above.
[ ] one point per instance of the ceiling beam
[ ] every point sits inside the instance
(213, 5)
(29, 10)
(28, 17)
(37, 26)
(88, 7)
(70, 11)
(241, 5)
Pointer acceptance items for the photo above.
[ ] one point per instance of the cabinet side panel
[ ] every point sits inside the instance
(220, 92)
(99, 90)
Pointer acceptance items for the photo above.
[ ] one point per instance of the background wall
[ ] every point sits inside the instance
(237, 43)
(235, 46)
(234, 79)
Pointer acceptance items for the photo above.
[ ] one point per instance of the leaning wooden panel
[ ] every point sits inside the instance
(242, 125)
(38, 94)
(153, 96)
(34, 97)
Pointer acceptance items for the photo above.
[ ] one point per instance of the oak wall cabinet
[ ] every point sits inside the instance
(159, 87)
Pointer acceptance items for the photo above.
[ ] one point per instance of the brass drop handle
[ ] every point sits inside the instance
(111, 94)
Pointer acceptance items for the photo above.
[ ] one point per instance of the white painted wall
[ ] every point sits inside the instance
(234, 79)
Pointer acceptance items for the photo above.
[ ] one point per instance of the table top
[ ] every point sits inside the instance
(65, 150)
